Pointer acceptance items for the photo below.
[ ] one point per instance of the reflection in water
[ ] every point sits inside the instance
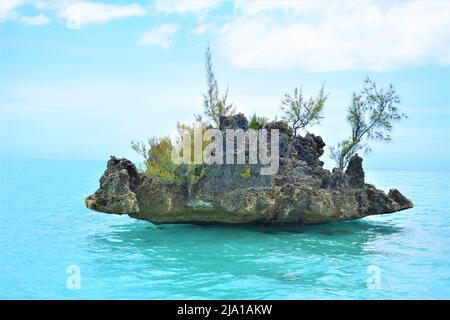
(197, 259)
(144, 237)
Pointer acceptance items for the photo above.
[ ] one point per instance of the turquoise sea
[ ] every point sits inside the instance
(46, 233)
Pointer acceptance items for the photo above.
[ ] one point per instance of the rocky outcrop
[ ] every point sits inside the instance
(309, 148)
(238, 121)
(301, 193)
(117, 188)
(355, 172)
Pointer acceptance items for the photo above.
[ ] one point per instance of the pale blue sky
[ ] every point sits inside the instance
(80, 80)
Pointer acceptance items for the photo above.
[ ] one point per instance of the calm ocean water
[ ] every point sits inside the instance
(45, 229)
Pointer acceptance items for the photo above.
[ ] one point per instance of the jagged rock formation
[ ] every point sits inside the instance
(238, 121)
(117, 188)
(355, 172)
(301, 193)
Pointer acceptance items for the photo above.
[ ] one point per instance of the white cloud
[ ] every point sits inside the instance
(159, 36)
(186, 6)
(38, 20)
(202, 28)
(324, 36)
(82, 13)
(260, 6)
(7, 8)
(40, 4)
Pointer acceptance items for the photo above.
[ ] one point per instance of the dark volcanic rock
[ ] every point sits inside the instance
(238, 121)
(335, 181)
(115, 164)
(401, 200)
(378, 201)
(279, 125)
(117, 185)
(301, 193)
(355, 172)
(309, 148)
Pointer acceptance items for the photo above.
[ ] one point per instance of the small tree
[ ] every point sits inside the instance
(156, 153)
(343, 152)
(256, 122)
(189, 130)
(300, 112)
(370, 116)
(214, 105)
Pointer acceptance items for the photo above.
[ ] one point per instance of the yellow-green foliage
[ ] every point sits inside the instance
(157, 154)
(195, 172)
(186, 129)
(157, 157)
(246, 173)
(256, 122)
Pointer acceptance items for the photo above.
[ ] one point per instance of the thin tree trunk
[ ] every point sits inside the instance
(288, 151)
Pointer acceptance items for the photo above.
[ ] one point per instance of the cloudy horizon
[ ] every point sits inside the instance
(81, 79)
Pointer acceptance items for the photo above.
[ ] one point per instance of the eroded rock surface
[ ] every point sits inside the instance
(355, 172)
(301, 193)
(117, 188)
